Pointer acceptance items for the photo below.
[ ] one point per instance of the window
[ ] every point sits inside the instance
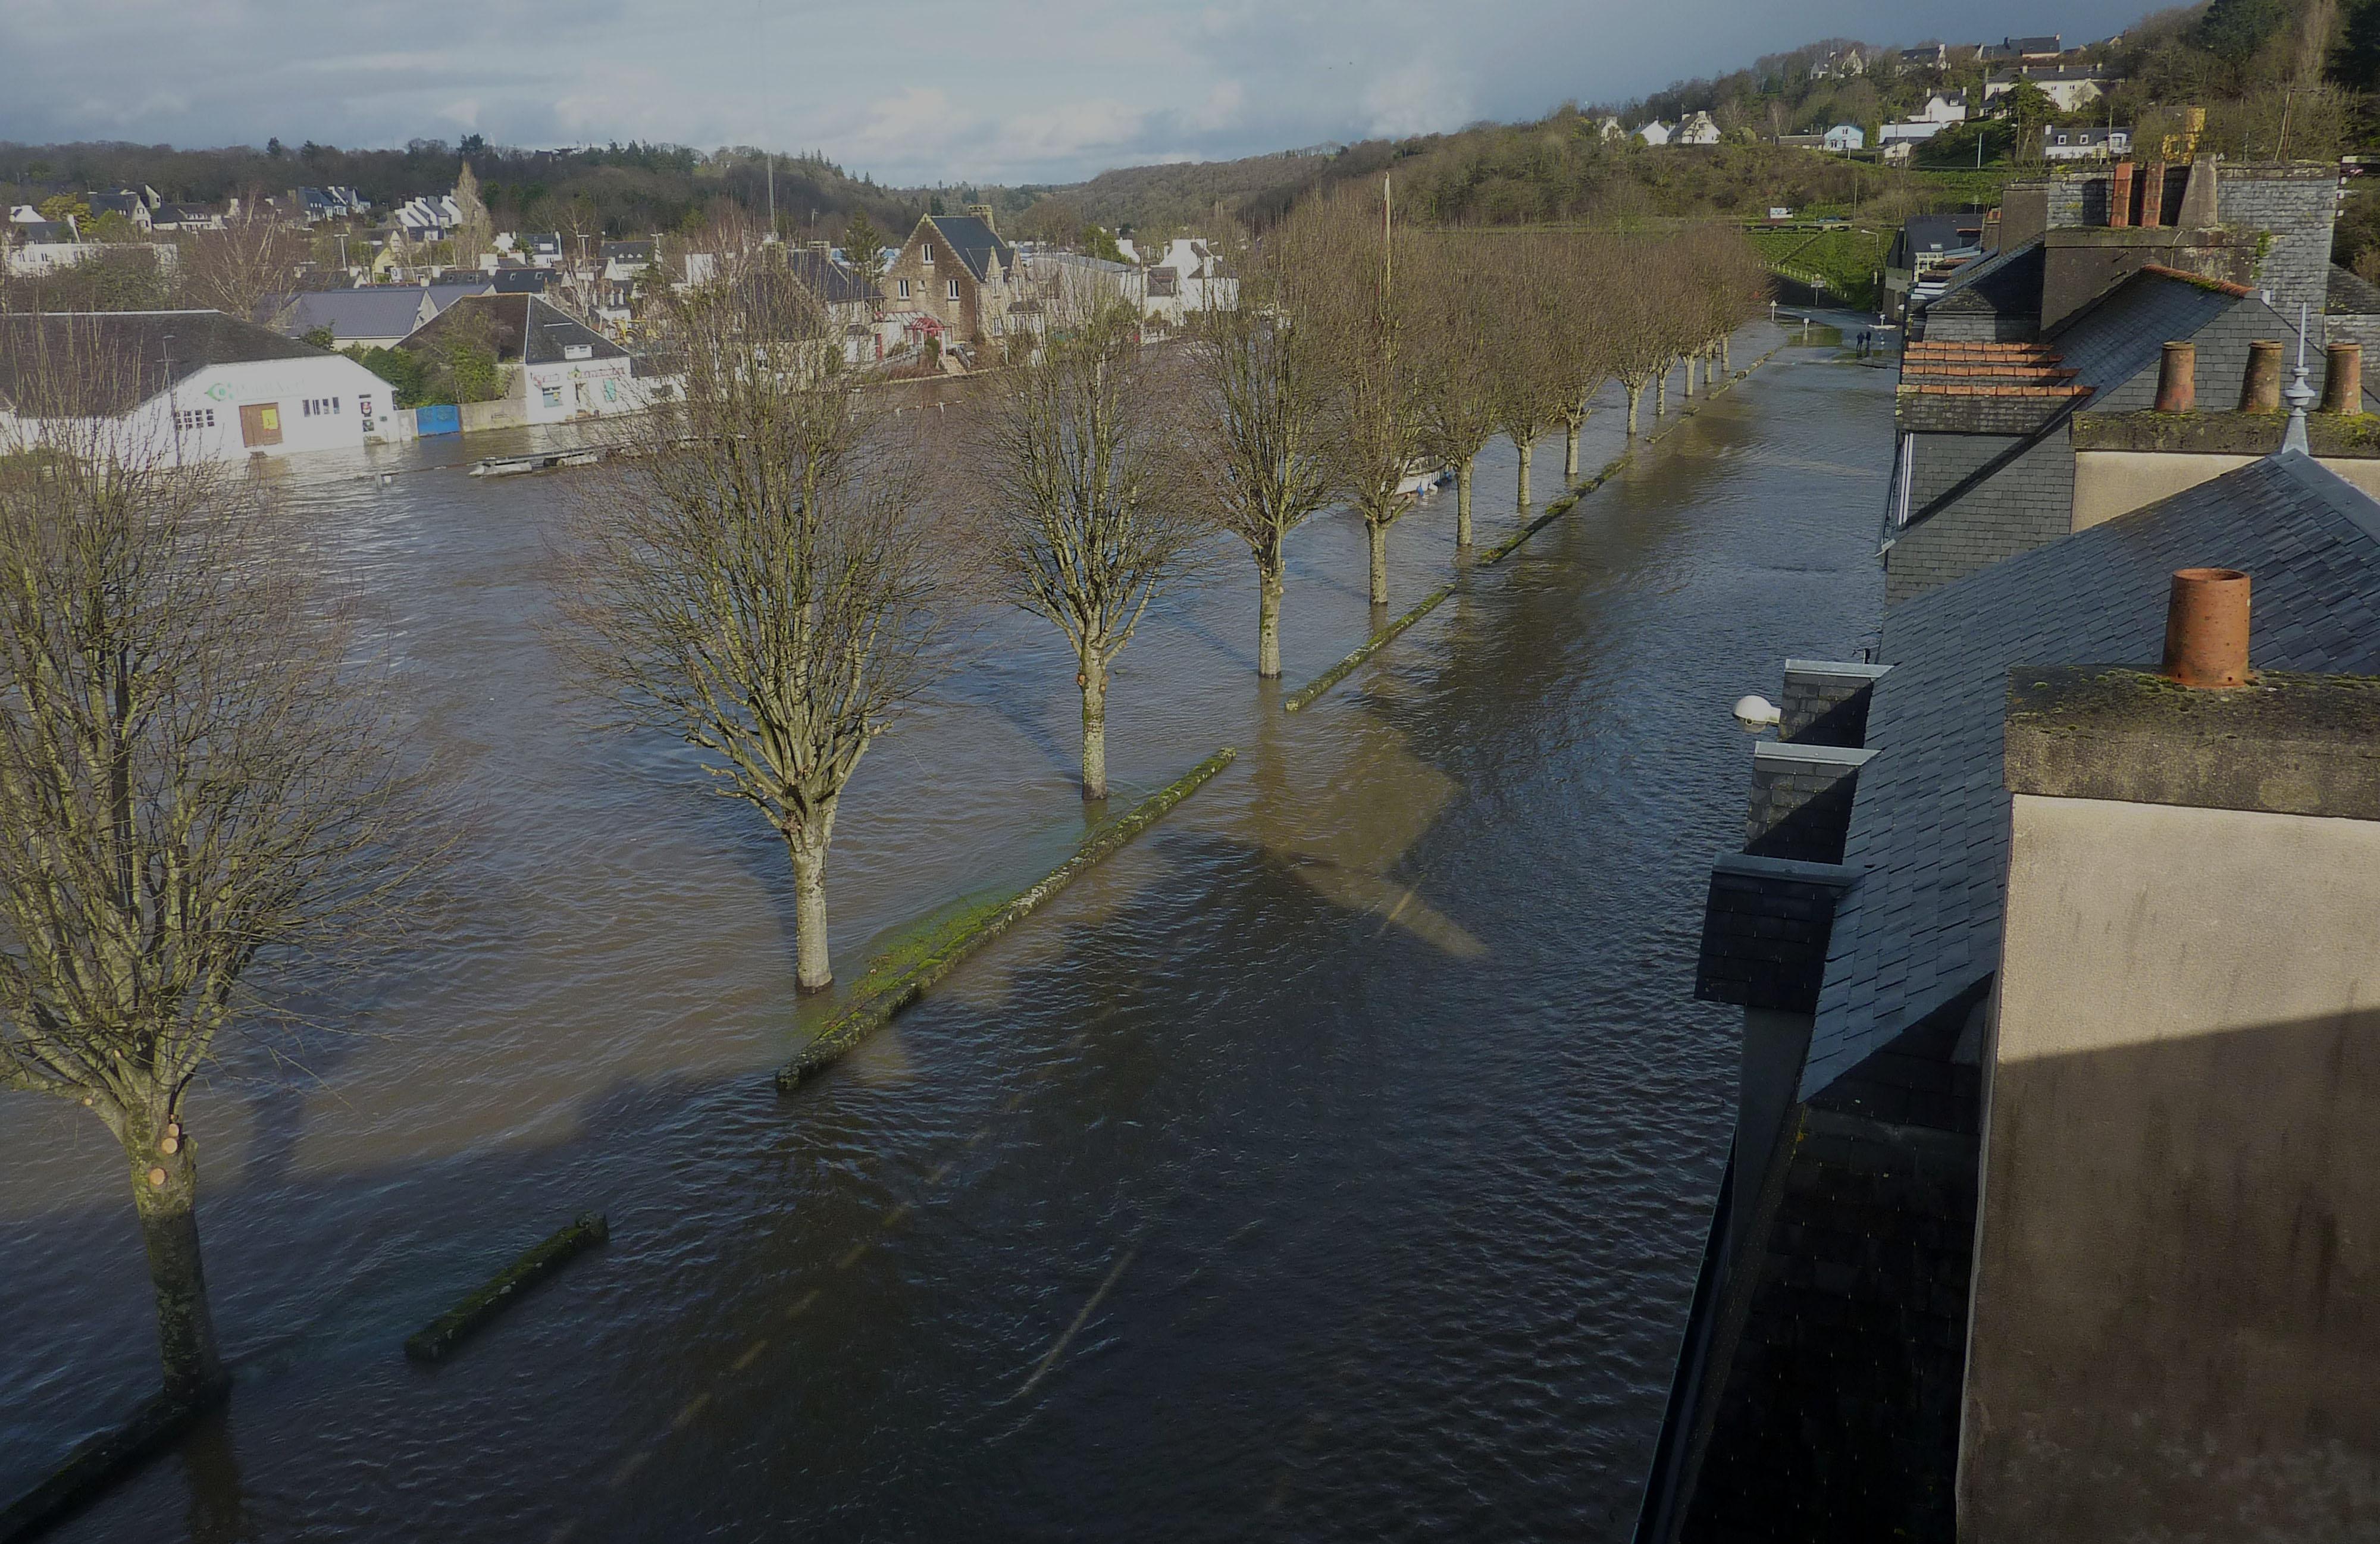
(928, 250)
(905, 289)
(577, 350)
(954, 289)
(194, 417)
(552, 395)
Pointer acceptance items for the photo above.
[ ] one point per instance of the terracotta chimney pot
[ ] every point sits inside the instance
(2342, 386)
(2260, 386)
(2178, 379)
(2207, 628)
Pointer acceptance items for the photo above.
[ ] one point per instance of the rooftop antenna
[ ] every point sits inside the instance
(2298, 396)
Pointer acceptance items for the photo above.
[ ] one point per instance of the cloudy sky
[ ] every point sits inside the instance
(913, 91)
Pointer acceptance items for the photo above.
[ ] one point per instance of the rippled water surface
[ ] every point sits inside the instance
(1331, 1163)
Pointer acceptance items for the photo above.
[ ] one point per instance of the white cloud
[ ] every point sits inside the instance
(913, 91)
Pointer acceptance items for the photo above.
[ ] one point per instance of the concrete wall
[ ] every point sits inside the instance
(2112, 482)
(2177, 1305)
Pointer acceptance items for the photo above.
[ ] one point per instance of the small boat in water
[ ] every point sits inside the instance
(1425, 477)
(506, 466)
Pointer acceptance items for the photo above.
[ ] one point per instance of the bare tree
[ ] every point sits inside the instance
(195, 788)
(1457, 301)
(1527, 379)
(1376, 438)
(1264, 393)
(248, 269)
(1090, 507)
(1636, 327)
(1582, 361)
(762, 576)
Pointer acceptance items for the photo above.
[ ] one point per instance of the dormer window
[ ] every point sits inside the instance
(577, 350)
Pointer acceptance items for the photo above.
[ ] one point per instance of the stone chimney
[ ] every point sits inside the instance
(2178, 379)
(983, 212)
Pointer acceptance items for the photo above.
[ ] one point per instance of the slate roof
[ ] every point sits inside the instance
(381, 311)
(1929, 823)
(42, 230)
(830, 280)
(524, 329)
(1934, 233)
(143, 352)
(2122, 333)
(2351, 294)
(976, 244)
(2007, 283)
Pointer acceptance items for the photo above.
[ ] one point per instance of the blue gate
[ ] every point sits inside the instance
(446, 418)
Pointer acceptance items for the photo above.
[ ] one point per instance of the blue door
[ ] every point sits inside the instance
(446, 418)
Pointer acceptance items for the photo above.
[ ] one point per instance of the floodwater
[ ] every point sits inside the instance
(1331, 1163)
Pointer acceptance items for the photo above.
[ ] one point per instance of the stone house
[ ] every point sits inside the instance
(958, 278)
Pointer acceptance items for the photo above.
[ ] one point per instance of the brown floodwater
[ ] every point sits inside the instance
(1333, 1162)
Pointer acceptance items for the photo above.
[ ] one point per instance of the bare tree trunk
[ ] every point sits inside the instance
(165, 1193)
(1570, 452)
(807, 843)
(1379, 534)
(1462, 501)
(1095, 728)
(1661, 394)
(1687, 390)
(1268, 588)
(1526, 449)
(1635, 401)
(1726, 354)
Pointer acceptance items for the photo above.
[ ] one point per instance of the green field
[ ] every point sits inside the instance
(1847, 260)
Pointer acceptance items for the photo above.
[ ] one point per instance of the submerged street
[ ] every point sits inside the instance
(1331, 1162)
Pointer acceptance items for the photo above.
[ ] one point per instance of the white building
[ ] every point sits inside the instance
(1699, 128)
(2070, 86)
(1845, 136)
(2085, 144)
(196, 385)
(1939, 112)
(1185, 279)
(1655, 133)
(560, 367)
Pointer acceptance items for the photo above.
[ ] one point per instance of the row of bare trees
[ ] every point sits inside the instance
(199, 780)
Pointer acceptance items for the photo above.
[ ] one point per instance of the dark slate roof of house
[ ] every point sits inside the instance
(446, 292)
(2007, 282)
(830, 280)
(524, 329)
(142, 353)
(973, 240)
(521, 281)
(1934, 233)
(2122, 333)
(1929, 824)
(42, 230)
(629, 252)
(2351, 294)
(381, 311)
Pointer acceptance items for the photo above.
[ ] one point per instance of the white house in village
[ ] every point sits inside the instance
(193, 385)
(561, 369)
(1941, 110)
(1655, 133)
(1699, 128)
(1186, 278)
(2068, 86)
(1612, 131)
(1845, 136)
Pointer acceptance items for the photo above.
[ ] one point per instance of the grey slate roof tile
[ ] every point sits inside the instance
(1929, 823)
